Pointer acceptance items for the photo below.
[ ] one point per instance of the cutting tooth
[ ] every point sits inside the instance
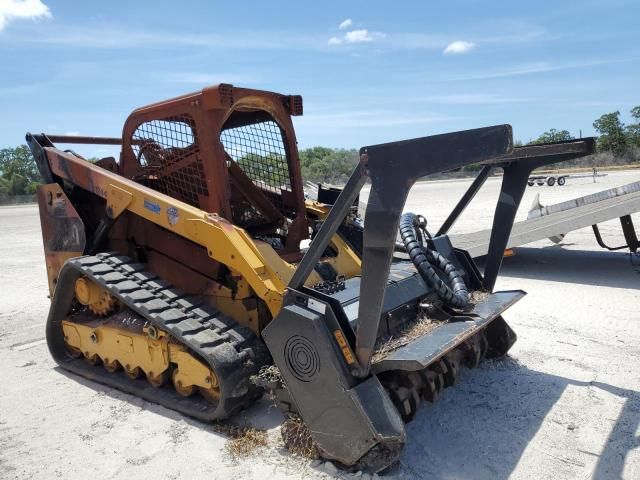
(473, 352)
(407, 388)
(484, 345)
(431, 389)
(452, 363)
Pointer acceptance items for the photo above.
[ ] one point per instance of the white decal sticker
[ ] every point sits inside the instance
(317, 306)
(172, 215)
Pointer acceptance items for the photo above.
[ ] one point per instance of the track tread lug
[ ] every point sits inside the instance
(205, 339)
(158, 285)
(171, 316)
(188, 326)
(144, 277)
(98, 269)
(138, 296)
(131, 268)
(114, 259)
(155, 305)
(187, 303)
(171, 295)
(126, 286)
(86, 261)
(113, 278)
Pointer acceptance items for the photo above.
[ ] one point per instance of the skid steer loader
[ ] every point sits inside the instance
(180, 271)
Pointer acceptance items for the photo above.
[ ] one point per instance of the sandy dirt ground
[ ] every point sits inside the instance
(564, 404)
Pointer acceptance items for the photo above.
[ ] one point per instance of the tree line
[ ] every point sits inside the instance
(18, 172)
(615, 136)
(619, 143)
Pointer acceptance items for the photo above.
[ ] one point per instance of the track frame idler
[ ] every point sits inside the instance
(149, 352)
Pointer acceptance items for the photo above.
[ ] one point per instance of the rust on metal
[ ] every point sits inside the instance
(63, 233)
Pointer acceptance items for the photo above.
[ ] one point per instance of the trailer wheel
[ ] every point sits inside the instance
(530, 183)
(561, 181)
(551, 181)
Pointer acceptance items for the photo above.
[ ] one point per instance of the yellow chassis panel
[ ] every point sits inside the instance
(225, 243)
(133, 350)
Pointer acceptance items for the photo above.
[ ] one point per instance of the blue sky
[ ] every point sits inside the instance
(369, 72)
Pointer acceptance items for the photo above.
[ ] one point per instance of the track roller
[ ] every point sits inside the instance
(132, 372)
(111, 366)
(184, 390)
(157, 379)
(91, 359)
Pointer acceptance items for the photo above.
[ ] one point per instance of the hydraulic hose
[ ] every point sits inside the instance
(426, 261)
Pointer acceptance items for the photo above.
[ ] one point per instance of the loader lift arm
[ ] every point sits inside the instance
(213, 232)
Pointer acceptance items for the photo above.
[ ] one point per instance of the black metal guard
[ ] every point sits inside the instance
(517, 167)
(460, 207)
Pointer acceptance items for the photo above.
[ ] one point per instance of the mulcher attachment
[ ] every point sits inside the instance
(357, 359)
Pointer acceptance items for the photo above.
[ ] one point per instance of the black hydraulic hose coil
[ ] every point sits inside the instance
(456, 295)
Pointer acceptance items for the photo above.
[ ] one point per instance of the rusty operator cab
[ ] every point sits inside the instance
(232, 154)
(226, 150)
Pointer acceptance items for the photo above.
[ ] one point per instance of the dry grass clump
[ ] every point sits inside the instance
(414, 330)
(243, 441)
(297, 438)
(479, 296)
(421, 326)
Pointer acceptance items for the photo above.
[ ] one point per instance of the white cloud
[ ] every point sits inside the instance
(358, 36)
(361, 35)
(11, 9)
(458, 47)
(345, 24)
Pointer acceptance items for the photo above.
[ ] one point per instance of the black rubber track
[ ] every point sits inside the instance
(425, 260)
(232, 351)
